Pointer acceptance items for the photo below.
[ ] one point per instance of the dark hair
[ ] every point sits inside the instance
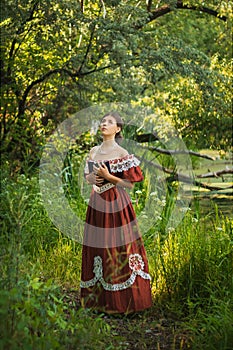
(119, 122)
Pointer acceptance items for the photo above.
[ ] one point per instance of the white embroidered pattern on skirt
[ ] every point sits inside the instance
(136, 264)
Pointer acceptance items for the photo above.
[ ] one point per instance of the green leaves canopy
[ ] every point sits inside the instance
(60, 56)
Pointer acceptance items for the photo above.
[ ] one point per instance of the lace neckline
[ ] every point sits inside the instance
(118, 159)
(120, 164)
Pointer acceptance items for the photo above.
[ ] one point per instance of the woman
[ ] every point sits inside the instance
(115, 276)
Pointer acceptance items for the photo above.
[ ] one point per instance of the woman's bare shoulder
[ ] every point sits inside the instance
(93, 151)
(123, 152)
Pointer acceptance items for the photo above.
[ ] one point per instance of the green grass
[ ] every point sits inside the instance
(191, 267)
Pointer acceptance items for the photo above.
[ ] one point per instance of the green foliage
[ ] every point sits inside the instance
(191, 268)
(194, 261)
(36, 261)
(37, 316)
(73, 167)
(58, 57)
(22, 209)
(213, 328)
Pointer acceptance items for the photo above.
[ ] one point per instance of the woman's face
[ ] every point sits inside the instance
(108, 126)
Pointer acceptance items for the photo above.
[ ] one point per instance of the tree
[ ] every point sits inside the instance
(58, 57)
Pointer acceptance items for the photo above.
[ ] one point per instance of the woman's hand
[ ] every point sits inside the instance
(102, 171)
(94, 179)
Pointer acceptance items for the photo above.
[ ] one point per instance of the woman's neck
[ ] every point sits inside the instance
(108, 143)
(108, 146)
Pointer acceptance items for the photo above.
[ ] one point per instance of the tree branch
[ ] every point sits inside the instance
(163, 10)
(216, 173)
(30, 17)
(13, 49)
(22, 101)
(149, 4)
(189, 180)
(89, 45)
(97, 70)
(182, 178)
(165, 151)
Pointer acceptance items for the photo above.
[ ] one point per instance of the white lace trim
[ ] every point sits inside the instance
(123, 164)
(118, 164)
(136, 264)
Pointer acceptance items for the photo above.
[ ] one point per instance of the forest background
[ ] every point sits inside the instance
(174, 57)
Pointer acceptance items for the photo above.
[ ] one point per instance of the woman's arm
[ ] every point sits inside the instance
(119, 182)
(103, 172)
(92, 178)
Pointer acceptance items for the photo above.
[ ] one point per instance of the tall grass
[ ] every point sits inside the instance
(192, 270)
(37, 264)
(193, 276)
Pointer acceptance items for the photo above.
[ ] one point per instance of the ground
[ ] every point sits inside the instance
(151, 329)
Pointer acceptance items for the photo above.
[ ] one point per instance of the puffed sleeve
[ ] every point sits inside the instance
(127, 168)
(133, 174)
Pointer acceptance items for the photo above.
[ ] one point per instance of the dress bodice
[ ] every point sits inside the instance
(116, 165)
(126, 168)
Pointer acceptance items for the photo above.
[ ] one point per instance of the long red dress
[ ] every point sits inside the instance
(115, 276)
